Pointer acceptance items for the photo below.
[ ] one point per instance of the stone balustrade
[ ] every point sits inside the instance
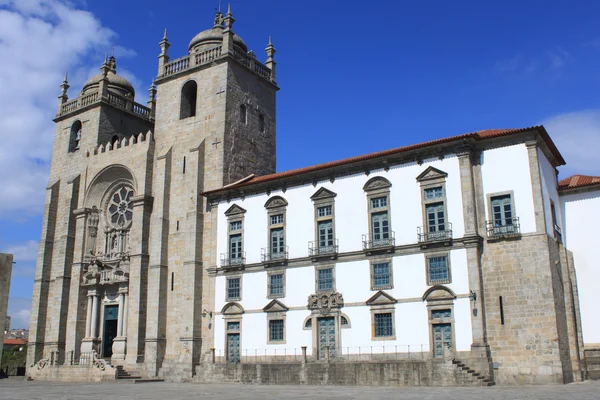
(205, 57)
(111, 98)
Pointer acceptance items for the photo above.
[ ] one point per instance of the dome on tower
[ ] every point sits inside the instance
(213, 37)
(116, 84)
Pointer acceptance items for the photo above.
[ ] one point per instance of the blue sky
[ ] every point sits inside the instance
(355, 77)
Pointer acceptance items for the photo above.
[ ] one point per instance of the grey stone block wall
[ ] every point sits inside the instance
(6, 261)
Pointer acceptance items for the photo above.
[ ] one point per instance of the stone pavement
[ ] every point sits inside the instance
(16, 388)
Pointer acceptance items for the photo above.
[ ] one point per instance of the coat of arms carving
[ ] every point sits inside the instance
(325, 302)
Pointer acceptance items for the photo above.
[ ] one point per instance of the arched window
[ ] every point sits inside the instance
(261, 123)
(75, 136)
(243, 114)
(189, 93)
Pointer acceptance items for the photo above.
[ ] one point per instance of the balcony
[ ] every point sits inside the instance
(229, 262)
(504, 228)
(315, 251)
(273, 257)
(384, 245)
(558, 233)
(434, 238)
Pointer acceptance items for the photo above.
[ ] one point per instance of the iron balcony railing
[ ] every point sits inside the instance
(315, 249)
(227, 261)
(268, 255)
(558, 233)
(370, 243)
(502, 227)
(425, 234)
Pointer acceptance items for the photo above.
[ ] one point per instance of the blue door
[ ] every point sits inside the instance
(111, 319)
(442, 333)
(327, 336)
(233, 348)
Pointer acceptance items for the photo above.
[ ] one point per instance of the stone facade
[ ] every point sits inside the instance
(5, 273)
(140, 198)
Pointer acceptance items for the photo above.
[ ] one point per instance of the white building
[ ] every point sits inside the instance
(408, 250)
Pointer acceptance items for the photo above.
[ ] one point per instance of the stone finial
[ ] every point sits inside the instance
(229, 20)
(163, 57)
(152, 90)
(64, 86)
(152, 98)
(103, 85)
(270, 63)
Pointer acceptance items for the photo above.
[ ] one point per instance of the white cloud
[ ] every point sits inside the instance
(40, 40)
(24, 252)
(577, 136)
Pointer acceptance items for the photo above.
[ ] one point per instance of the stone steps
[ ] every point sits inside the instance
(473, 377)
(592, 360)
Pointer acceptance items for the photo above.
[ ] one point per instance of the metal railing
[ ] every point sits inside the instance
(232, 262)
(343, 354)
(558, 233)
(370, 244)
(267, 255)
(314, 248)
(424, 235)
(503, 227)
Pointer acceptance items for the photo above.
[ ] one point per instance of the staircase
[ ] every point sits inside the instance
(123, 374)
(592, 359)
(471, 376)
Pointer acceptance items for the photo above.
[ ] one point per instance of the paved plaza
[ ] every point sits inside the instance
(14, 388)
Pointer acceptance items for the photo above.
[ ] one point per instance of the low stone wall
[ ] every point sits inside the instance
(72, 373)
(387, 373)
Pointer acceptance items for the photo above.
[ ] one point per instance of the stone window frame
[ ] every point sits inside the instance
(322, 198)
(376, 187)
(490, 196)
(235, 213)
(74, 144)
(275, 272)
(381, 260)
(227, 279)
(274, 316)
(448, 263)
(276, 205)
(333, 274)
(429, 179)
(446, 303)
(383, 309)
(261, 123)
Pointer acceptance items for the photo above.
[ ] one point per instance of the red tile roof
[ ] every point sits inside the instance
(14, 341)
(479, 135)
(578, 181)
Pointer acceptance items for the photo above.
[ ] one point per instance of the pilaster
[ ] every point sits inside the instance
(473, 243)
(158, 273)
(77, 299)
(138, 268)
(536, 186)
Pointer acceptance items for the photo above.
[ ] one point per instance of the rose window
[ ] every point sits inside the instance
(120, 209)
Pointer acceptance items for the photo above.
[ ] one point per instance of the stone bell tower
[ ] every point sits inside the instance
(214, 125)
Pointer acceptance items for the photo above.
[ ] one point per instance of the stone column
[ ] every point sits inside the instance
(120, 320)
(88, 321)
(90, 342)
(119, 347)
(95, 305)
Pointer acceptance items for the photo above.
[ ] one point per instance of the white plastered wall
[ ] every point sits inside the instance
(581, 238)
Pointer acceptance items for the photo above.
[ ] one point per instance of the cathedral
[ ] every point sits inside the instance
(172, 249)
